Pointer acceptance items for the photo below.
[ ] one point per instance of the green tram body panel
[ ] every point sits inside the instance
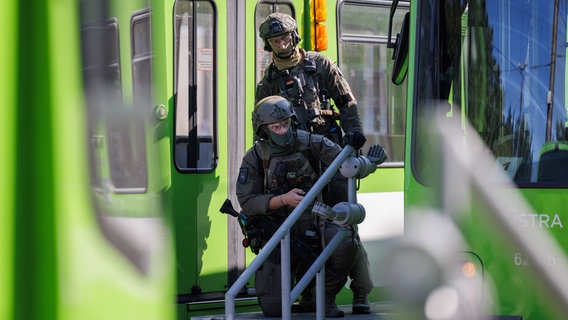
(517, 291)
(75, 248)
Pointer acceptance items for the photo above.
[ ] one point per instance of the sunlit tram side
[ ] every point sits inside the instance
(499, 69)
(84, 189)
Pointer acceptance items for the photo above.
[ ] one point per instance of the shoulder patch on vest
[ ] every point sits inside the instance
(243, 175)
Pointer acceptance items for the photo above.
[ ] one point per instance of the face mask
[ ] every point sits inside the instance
(284, 53)
(283, 140)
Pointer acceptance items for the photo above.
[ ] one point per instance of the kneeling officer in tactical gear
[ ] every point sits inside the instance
(275, 174)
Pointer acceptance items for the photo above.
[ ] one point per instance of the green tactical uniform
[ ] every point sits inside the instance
(254, 192)
(311, 84)
(279, 163)
(283, 173)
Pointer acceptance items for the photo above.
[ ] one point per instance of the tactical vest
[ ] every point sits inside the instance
(285, 173)
(301, 86)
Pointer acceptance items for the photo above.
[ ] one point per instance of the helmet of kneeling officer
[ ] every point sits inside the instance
(275, 120)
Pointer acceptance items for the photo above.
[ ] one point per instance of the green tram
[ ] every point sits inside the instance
(130, 121)
(498, 69)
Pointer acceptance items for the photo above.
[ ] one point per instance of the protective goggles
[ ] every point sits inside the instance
(279, 126)
(281, 41)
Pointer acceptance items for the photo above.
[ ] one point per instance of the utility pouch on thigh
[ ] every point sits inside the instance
(268, 289)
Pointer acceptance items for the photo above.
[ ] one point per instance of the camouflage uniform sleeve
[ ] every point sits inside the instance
(340, 91)
(250, 186)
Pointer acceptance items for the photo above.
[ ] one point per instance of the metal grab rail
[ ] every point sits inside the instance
(283, 235)
(316, 269)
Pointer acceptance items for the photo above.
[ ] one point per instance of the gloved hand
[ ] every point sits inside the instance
(354, 139)
(377, 154)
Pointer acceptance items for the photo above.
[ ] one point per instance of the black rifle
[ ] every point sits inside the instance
(259, 229)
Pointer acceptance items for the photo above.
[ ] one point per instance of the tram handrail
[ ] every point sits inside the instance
(282, 235)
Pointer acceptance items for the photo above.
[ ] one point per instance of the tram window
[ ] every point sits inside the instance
(141, 51)
(99, 37)
(480, 58)
(127, 210)
(127, 153)
(366, 63)
(263, 9)
(102, 84)
(118, 150)
(126, 140)
(552, 166)
(195, 106)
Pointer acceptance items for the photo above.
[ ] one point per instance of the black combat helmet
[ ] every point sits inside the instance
(277, 24)
(270, 110)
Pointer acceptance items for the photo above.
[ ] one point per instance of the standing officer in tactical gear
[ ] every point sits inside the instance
(309, 80)
(275, 174)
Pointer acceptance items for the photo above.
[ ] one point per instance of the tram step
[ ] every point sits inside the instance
(380, 310)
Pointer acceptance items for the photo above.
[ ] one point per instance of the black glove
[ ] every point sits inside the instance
(354, 139)
(377, 154)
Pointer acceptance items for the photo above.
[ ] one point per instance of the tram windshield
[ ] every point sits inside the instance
(501, 65)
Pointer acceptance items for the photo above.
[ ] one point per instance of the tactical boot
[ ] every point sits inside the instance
(304, 306)
(307, 302)
(332, 311)
(361, 304)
